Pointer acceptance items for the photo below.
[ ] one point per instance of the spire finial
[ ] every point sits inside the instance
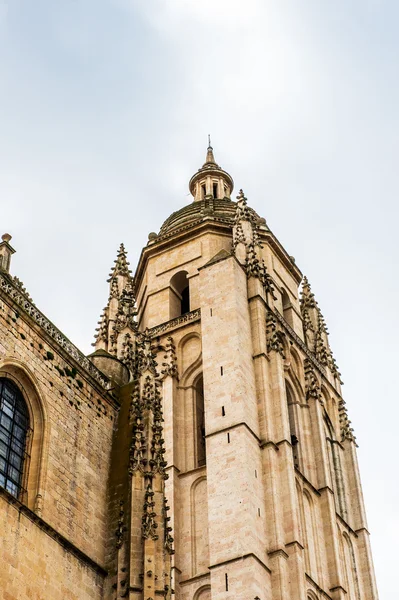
(210, 159)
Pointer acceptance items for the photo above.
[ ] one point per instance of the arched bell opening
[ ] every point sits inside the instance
(179, 295)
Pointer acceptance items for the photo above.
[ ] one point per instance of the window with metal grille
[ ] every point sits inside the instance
(14, 428)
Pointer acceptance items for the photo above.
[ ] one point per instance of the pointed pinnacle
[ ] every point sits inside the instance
(121, 264)
(210, 159)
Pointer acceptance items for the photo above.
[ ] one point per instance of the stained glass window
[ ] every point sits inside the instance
(14, 426)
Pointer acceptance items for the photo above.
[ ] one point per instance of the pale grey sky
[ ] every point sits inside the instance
(105, 107)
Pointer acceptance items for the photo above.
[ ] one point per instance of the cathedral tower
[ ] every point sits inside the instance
(260, 457)
(204, 450)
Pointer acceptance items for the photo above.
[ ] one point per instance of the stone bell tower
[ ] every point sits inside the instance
(234, 413)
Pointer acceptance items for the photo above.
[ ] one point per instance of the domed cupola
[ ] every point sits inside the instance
(211, 181)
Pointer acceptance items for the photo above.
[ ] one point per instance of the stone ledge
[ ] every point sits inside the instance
(241, 557)
(318, 588)
(234, 426)
(194, 579)
(190, 317)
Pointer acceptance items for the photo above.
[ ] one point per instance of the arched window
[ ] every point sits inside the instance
(200, 422)
(179, 294)
(292, 416)
(14, 428)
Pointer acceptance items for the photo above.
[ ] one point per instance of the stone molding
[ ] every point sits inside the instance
(34, 313)
(190, 317)
(240, 557)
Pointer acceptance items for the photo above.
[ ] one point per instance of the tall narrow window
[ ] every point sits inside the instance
(14, 427)
(293, 424)
(179, 294)
(215, 190)
(200, 422)
(203, 191)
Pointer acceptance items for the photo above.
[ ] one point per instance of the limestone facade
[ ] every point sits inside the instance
(204, 450)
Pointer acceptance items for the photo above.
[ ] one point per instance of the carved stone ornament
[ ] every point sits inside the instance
(121, 264)
(168, 539)
(307, 322)
(120, 530)
(148, 523)
(307, 297)
(18, 283)
(321, 351)
(30, 309)
(138, 446)
(147, 444)
(256, 267)
(347, 432)
(128, 354)
(315, 330)
(243, 213)
(170, 359)
(312, 385)
(114, 290)
(274, 336)
(145, 355)
(238, 237)
(193, 315)
(245, 231)
(102, 330)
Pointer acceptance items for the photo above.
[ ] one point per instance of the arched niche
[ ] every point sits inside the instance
(296, 364)
(179, 295)
(311, 532)
(199, 416)
(287, 307)
(336, 473)
(191, 403)
(330, 405)
(190, 353)
(351, 568)
(204, 593)
(37, 449)
(199, 526)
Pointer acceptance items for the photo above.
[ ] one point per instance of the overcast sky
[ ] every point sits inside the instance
(105, 107)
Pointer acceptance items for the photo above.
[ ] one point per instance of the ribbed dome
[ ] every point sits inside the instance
(221, 211)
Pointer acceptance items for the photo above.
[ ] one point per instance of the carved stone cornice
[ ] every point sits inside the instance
(17, 296)
(190, 317)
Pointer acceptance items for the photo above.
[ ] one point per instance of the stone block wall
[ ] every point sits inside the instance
(72, 419)
(36, 566)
